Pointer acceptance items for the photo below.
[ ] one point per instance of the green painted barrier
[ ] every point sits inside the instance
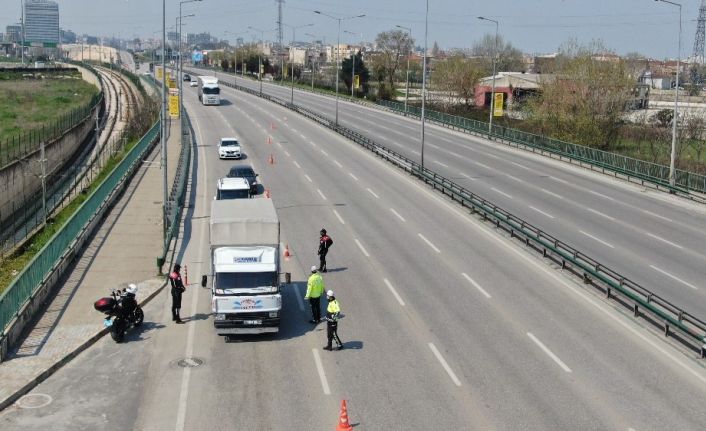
(31, 278)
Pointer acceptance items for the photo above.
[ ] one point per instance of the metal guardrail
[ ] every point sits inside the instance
(644, 171)
(611, 283)
(30, 279)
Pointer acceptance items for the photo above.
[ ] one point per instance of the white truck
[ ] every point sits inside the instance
(209, 91)
(245, 263)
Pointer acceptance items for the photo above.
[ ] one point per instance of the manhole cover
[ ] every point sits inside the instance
(189, 362)
(34, 401)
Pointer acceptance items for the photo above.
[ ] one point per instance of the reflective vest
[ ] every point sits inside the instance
(333, 307)
(314, 286)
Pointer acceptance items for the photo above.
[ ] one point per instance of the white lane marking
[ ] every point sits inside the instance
(312, 143)
(429, 243)
(441, 164)
(597, 239)
(299, 297)
(360, 246)
(394, 292)
(353, 176)
(434, 146)
(476, 285)
(324, 153)
(416, 152)
(287, 153)
(664, 240)
(397, 214)
(279, 144)
(515, 178)
(339, 217)
(502, 193)
(444, 364)
(308, 178)
(559, 180)
(542, 212)
(549, 353)
(631, 429)
(467, 176)
(293, 129)
(303, 137)
(521, 166)
(601, 214)
(483, 165)
(321, 194)
(673, 277)
(657, 215)
(320, 369)
(552, 194)
(338, 164)
(455, 154)
(372, 193)
(601, 195)
(297, 164)
(491, 155)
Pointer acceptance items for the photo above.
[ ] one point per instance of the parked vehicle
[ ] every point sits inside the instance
(232, 188)
(121, 310)
(229, 148)
(247, 172)
(245, 265)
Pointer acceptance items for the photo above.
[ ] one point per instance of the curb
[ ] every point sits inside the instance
(66, 359)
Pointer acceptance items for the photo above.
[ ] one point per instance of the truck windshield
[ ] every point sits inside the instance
(233, 194)
(207, 90)
(244, 280)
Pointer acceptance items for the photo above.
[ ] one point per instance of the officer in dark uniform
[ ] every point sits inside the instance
(177, 289)
(325, 243)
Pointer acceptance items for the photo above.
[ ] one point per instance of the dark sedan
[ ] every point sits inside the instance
(247, 172)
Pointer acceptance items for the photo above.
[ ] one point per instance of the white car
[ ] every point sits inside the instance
(194, 83)
(229, 148)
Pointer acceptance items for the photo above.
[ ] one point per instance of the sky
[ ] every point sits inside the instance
(534, 26)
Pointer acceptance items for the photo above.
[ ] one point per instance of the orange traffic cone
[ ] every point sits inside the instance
(267, 193)
(286, 251)
(269, 139)
(343, 424)
(273, 126)
(271, 159)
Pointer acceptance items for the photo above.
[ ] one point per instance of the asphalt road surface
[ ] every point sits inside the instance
(448, 325)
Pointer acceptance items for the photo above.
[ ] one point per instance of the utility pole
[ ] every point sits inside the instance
(280, 36)
(163, 123)
(492, 91)
(22, 29)
(409, 54)
(424, 77)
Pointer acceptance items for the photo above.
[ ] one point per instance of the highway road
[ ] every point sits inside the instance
(448, 325)
(646, 235)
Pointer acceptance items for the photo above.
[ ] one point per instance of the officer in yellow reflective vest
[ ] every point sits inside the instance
(314, 290)
(333, 312)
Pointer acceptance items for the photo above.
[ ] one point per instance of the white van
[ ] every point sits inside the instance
(232, 188)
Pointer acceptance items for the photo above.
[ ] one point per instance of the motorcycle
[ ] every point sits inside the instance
(121, 310)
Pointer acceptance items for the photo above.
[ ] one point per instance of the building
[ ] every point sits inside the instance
(198, 39)
(515, 85)
(67, 36)
(13, 33)
(42, 22)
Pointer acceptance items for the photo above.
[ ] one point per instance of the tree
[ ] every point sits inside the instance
(585, 100)
(392, 45)
(360, 69)
(435, 50)
(457, 76)
(224, 64)
(509, 58)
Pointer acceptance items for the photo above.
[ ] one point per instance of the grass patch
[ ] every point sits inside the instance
(29, 104)
(11, 266)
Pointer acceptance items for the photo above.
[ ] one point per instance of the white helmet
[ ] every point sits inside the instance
(313, 268)
(329, 293)
(132, 288)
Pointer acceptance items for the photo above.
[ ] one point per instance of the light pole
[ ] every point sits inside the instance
(353, 63)
(492, 91)
(672, 159)
(406, 91)
(180, 70)
(424, 77)
(313, 36)
(338, 48)
(291, 47)
(259, 58)
(163, 125)
(235, 53)
(22, 29)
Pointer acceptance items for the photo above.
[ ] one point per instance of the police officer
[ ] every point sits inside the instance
(333, 312)
(314, 290)
(177, 289)
(325, 243)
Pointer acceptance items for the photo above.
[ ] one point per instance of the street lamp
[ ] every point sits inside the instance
(259, 58)
(291, 61)
(424, 77)
(313, 36)
(180, 69)
(406, 91)
(235, 53)
(338, 48)
(353, 62)
(672, 159)
(492, 91)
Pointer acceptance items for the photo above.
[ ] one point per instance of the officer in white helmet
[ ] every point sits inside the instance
(314, 291)
(333, 313)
